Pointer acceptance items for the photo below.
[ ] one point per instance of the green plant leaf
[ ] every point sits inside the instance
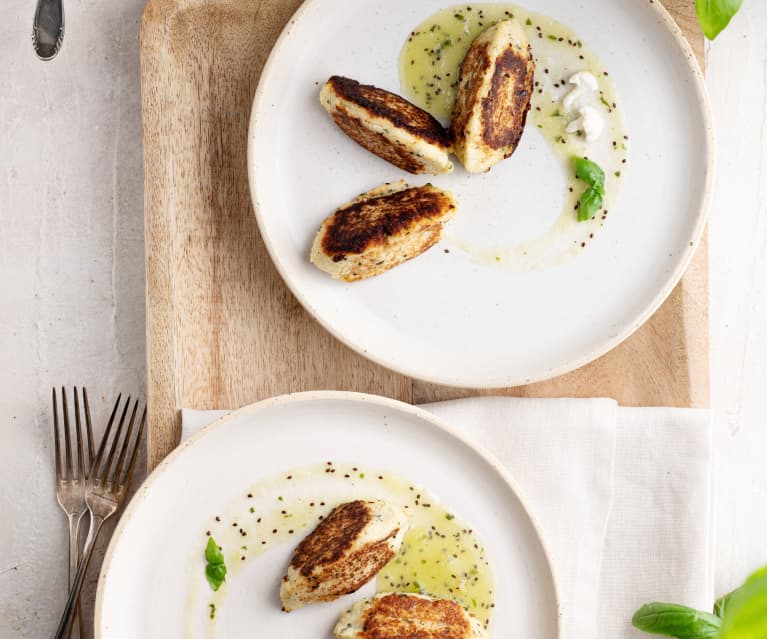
(590, 172)
(215, 570)
(745, 610)
(723, 603)
(590, 203)
(215, 573)
(715, 15)
(672, 620)
(213, 554)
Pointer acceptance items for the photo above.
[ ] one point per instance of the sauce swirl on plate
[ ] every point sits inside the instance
(572, 90)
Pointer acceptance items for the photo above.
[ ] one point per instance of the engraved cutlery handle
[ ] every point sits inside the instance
(48, 28)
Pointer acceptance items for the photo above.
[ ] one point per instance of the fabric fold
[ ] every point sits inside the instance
(560, 452)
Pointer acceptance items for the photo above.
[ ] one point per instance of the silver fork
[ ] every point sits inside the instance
(104, 494)
(71, 476)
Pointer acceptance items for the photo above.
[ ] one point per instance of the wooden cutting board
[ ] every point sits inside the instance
(223, 330)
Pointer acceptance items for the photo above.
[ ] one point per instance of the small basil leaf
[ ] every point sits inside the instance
(672, 620)
(715, 15)
(590, 172)
(216, 573)
(589, 204)
(746, 610)
(213, 554)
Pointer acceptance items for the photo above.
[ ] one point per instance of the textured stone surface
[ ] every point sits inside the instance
(71, 271)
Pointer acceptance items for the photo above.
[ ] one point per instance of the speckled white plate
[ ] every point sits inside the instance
(444, 317)
(146, 576)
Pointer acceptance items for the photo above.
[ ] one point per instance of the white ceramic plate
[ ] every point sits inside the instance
(144, 585)
(446, 318)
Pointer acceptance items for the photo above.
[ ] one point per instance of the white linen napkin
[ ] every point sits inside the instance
(623, 496)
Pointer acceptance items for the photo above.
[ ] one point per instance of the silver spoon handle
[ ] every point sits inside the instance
(48, 28)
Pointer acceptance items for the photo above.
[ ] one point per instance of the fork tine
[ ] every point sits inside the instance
(67, 438)
(56, 445)
(134, 456)
(104, 439)
(106, 471)
(79, 434)
(125, 445)
(89, 428)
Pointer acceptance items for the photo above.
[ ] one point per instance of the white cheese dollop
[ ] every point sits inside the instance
(585, 80)
(588, 119)
(572, 99)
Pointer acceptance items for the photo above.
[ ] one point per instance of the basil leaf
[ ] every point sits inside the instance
(213, 554)
(215, 571)
(590, 172)
(589, 204)
(715, 15)
(723, 603)
(746, 610)
(672, 620)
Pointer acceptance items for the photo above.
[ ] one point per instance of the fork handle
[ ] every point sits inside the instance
(74, 559)
(70, 610)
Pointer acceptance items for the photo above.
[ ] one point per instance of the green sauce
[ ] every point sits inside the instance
(440, 556)
(429, 64)
(431, 58)
(441, 560)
